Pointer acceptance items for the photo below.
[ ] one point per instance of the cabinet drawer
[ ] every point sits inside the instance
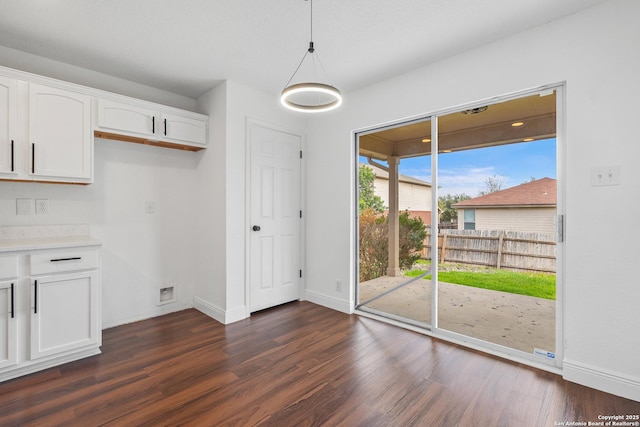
(64, 260)
(8, 266)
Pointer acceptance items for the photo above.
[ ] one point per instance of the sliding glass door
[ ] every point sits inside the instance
(487, 267)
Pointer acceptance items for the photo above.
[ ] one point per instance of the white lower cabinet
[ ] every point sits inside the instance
(50, 310)
(64, 313)
(8, 320)
(8, 324)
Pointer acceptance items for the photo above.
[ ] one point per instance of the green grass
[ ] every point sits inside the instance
(541, 285)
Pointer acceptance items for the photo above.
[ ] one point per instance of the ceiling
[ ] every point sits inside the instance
(527, 118)
(187, 47)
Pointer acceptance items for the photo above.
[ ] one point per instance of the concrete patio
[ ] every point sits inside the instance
(516, 321)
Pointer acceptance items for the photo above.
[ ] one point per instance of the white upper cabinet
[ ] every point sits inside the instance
(148, 123)
(8, 113)
(45, 133)
(59, 135)
(125, 118)
(184, 129)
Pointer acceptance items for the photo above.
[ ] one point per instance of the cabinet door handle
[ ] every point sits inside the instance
(12, 168)
(153, 124)
(33, 158)
(165, 127)
(12, 303)
(75, 258)
(35, 298)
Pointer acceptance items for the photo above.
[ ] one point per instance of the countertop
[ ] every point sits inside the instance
(29, 238)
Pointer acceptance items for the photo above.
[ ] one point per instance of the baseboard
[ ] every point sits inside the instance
(602, 379)
(166, 309)
(329, 302)
(235, 315)
(216, 313)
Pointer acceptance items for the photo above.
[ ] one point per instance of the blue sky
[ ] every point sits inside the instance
(467, 171)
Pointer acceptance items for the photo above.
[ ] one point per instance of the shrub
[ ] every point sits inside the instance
(374, 242)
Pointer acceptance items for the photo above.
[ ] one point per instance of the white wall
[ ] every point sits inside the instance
(595, 52)
(141, 252)
(222, 235)
(23, 61)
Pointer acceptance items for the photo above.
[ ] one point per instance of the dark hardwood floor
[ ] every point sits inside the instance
(295, 365)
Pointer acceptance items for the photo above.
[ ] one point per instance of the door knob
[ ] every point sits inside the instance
(256, 228)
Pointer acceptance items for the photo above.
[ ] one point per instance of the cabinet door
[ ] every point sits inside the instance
(64, 313)
(8, 149)
(184, 129)
(59, 135)
(125, 118)
(8, 324)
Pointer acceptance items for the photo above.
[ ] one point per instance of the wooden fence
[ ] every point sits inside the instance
(496, 248)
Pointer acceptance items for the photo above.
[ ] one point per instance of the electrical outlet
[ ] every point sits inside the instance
(605, 175)
(42, 206)
(339, 285)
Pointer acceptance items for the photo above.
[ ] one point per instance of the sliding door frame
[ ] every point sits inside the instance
(553, 365)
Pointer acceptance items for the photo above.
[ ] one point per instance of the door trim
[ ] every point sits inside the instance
(250, 123)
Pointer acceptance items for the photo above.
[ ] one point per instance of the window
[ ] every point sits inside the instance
(469, 219)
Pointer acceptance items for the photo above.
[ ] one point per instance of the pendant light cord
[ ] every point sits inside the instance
(311, 49)
(311, 26)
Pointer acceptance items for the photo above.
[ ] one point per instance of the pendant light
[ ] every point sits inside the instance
(310, 97)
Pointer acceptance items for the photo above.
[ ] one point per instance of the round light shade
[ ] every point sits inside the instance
(311, 97)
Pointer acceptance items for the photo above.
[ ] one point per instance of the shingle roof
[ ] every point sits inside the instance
(541, 192)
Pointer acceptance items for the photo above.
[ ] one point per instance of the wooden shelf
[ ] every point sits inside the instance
(145, 141)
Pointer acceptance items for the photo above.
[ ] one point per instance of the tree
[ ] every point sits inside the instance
(492, 184)
(367, 197)
(447, 213)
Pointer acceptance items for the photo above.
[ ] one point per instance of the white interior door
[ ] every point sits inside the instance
(275, 217)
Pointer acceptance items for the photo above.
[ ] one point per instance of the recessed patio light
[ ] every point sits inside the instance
(426, 140)
(517, 124)
(528, 139)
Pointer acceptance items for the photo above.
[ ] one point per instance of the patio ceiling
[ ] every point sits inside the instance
(468, 129)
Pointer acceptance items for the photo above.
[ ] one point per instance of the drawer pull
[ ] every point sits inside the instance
(75, 258)
(12, 303)
(35, 297)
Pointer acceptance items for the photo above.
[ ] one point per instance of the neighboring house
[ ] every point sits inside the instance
(529, 207)
(414, 195)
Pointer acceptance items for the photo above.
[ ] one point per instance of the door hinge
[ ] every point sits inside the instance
(301, 214)
(300, 273)
(300, 153)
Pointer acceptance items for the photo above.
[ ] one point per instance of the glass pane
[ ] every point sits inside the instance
(497, 269)
(390, 282)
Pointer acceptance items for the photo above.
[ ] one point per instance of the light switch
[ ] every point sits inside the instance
(605, 175)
